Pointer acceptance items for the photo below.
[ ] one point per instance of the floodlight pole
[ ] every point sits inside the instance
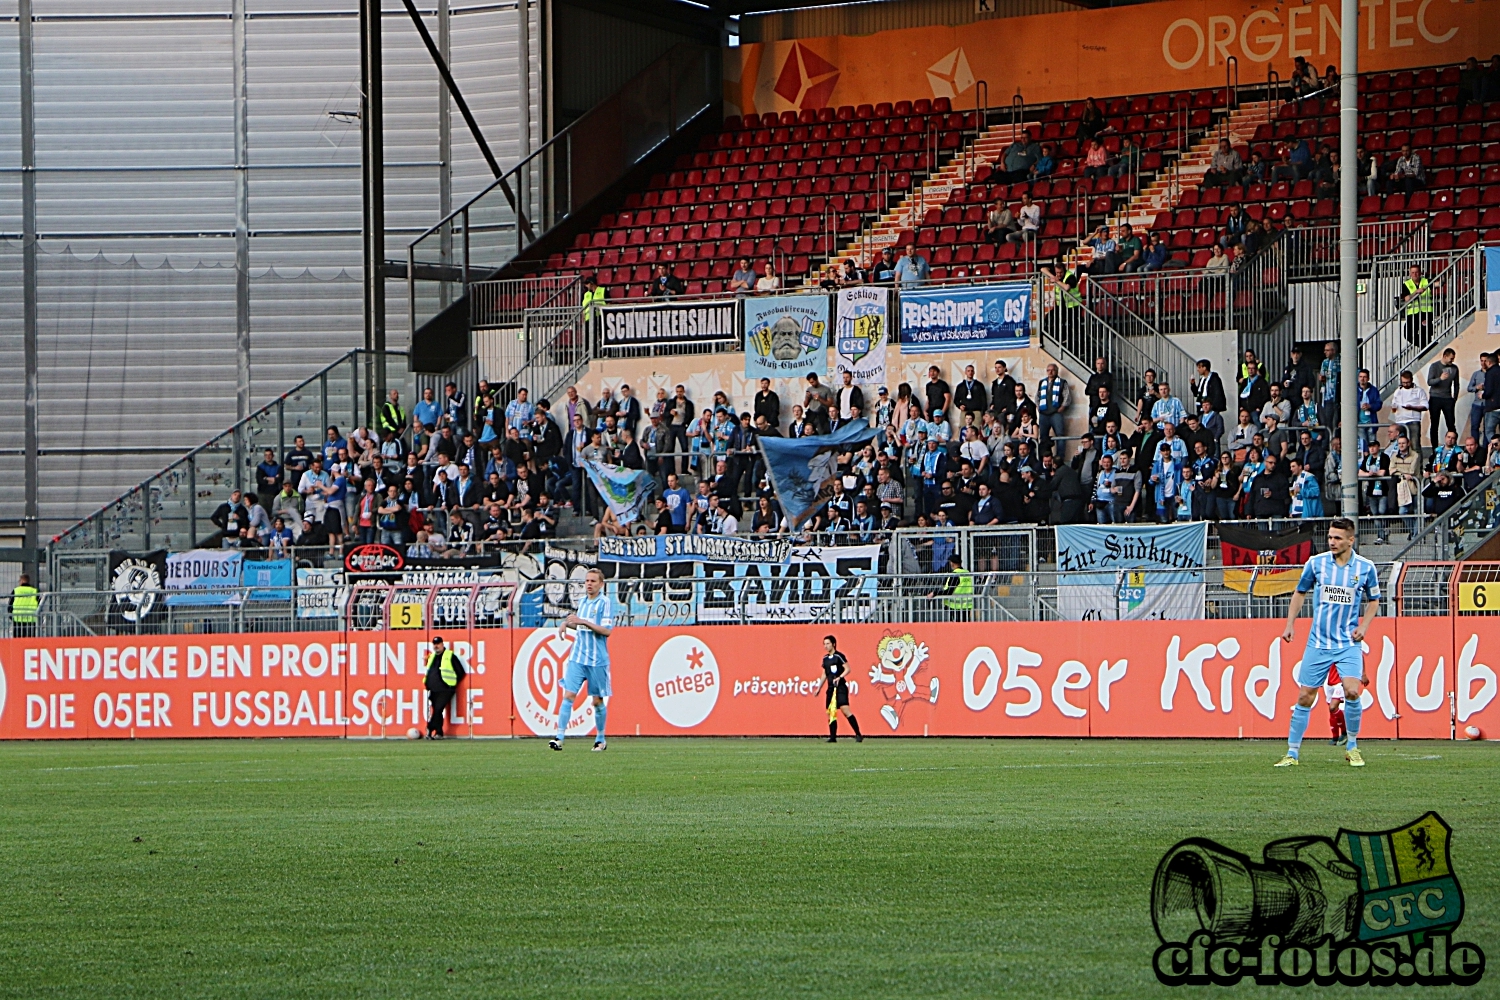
(372, 139)
(1348, 396)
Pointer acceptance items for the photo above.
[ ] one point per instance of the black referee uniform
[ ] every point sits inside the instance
(836, 692)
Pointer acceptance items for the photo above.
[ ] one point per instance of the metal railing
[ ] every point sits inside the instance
(1250, 299)
(563, 175)
(1460, 531)
(172, 508)
(1078, 335)
(1312, 252)
(503, 302)
(1405, 339)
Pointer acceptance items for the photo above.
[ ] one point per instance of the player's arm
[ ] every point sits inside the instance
(1371, 607)
(1298, 597)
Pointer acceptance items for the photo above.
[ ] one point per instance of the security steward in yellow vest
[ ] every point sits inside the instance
(1417, 300)
(444, 671)
(593, 300)
(959, 590)
(392, 417)
(24, 601)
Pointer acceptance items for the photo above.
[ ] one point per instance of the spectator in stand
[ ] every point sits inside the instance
(883, 271)
(1126, 163)
(1092, 122)
(1225, 169)
(288, 505)
(939, 395)
(1471, 83)
(1406, 470)
(1106, 253)
(1475, 388)
(1297, 375)
(1031, 221)
(1019, 157)
(1326, 174)
(1095, 160)
(969, 395)
(1000, 223)
(1306, 414)
(1254, 392)
(1328, 381)
(912, 269)
(1442, 493)
(1442, 391)
(743, 280)
(1212, 423)
(1257, 171)
(1282, 169)
(1217, 261)
(1491, 398)
(1277, 405)
(1158, 256)
(767, 404)
(426, 413)
(1132, 253)
(1100, 378)
(1408, 173)
(1270, 492)
(1235, 223)
(665, 284)
(1052, 401)
(1167, 407)
(268, 475)
(769, 281)
(1002, 390)
(1208, 386)
(1300, 157)
(818, 403)
(1045, 164)
(455, 407)
(1408, 403)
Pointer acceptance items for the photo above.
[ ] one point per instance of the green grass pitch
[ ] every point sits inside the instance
(663, 868)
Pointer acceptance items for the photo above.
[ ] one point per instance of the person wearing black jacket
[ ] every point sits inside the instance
(1270, 492)
(444, 672)
(1442, 493)
(969, 395)
(1069, 497)
(1002, 391)
(1254, 391)
(768, 404)
(1297, 373)
(1207, 385)
(1102, 410)
(1102, 378)
(850, 398)
(665, 284)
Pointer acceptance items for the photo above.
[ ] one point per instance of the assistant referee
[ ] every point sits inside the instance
(836, 690)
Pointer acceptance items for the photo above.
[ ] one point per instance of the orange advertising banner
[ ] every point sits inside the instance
(1144, 48)
(1211, 678)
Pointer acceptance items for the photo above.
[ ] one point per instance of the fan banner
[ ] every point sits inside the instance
(970, 318)
(861, 334)
(1123, 572)
(786, 336)
(1227, 678)
(670, 323)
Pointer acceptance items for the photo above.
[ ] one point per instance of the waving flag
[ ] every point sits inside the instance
(800, 467)
(624, 490)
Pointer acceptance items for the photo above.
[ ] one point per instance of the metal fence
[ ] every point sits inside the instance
(503, 302)
(1461, 530)
(1312, 252)
(1407, 337)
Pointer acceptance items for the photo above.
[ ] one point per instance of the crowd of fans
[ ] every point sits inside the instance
(454, 477)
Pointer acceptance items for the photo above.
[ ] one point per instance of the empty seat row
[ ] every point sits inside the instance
(809, 116)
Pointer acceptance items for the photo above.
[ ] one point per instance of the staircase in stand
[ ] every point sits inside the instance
(1163, 193)
(933, 193)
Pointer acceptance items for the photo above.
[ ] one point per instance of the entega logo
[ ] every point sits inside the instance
(1367, 908)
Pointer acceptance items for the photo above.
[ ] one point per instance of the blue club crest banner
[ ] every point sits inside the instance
(861, 333)
(1131, 572)
(786, 336)
(966, 318)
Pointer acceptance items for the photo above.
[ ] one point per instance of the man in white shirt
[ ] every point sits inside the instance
(1408, 403)
(314, 489)
(1031, 221)
(1281, 407)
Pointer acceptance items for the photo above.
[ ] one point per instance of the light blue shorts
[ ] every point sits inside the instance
(1315, 664)
(596, 676)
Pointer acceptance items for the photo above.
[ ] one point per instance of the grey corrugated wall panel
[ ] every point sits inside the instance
(138, 334)
(882, 15)
(595, 54)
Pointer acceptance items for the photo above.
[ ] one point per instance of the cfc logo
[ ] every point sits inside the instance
(684, 681)
(536, 684)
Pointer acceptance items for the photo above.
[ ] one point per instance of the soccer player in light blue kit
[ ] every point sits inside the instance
(1340, 581)
(589, 660)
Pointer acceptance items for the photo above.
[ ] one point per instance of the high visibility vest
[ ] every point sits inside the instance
(1070, 297)
(23, 603)
(392, 417)
(445, 668)
(1419, 296)
(962, 598)
(591, 299)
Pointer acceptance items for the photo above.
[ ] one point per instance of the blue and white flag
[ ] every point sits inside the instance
(625, 491)
(1492, 286)
(800, 467)
(1131, 572)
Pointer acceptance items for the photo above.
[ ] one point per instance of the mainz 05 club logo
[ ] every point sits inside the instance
(1364, 908)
